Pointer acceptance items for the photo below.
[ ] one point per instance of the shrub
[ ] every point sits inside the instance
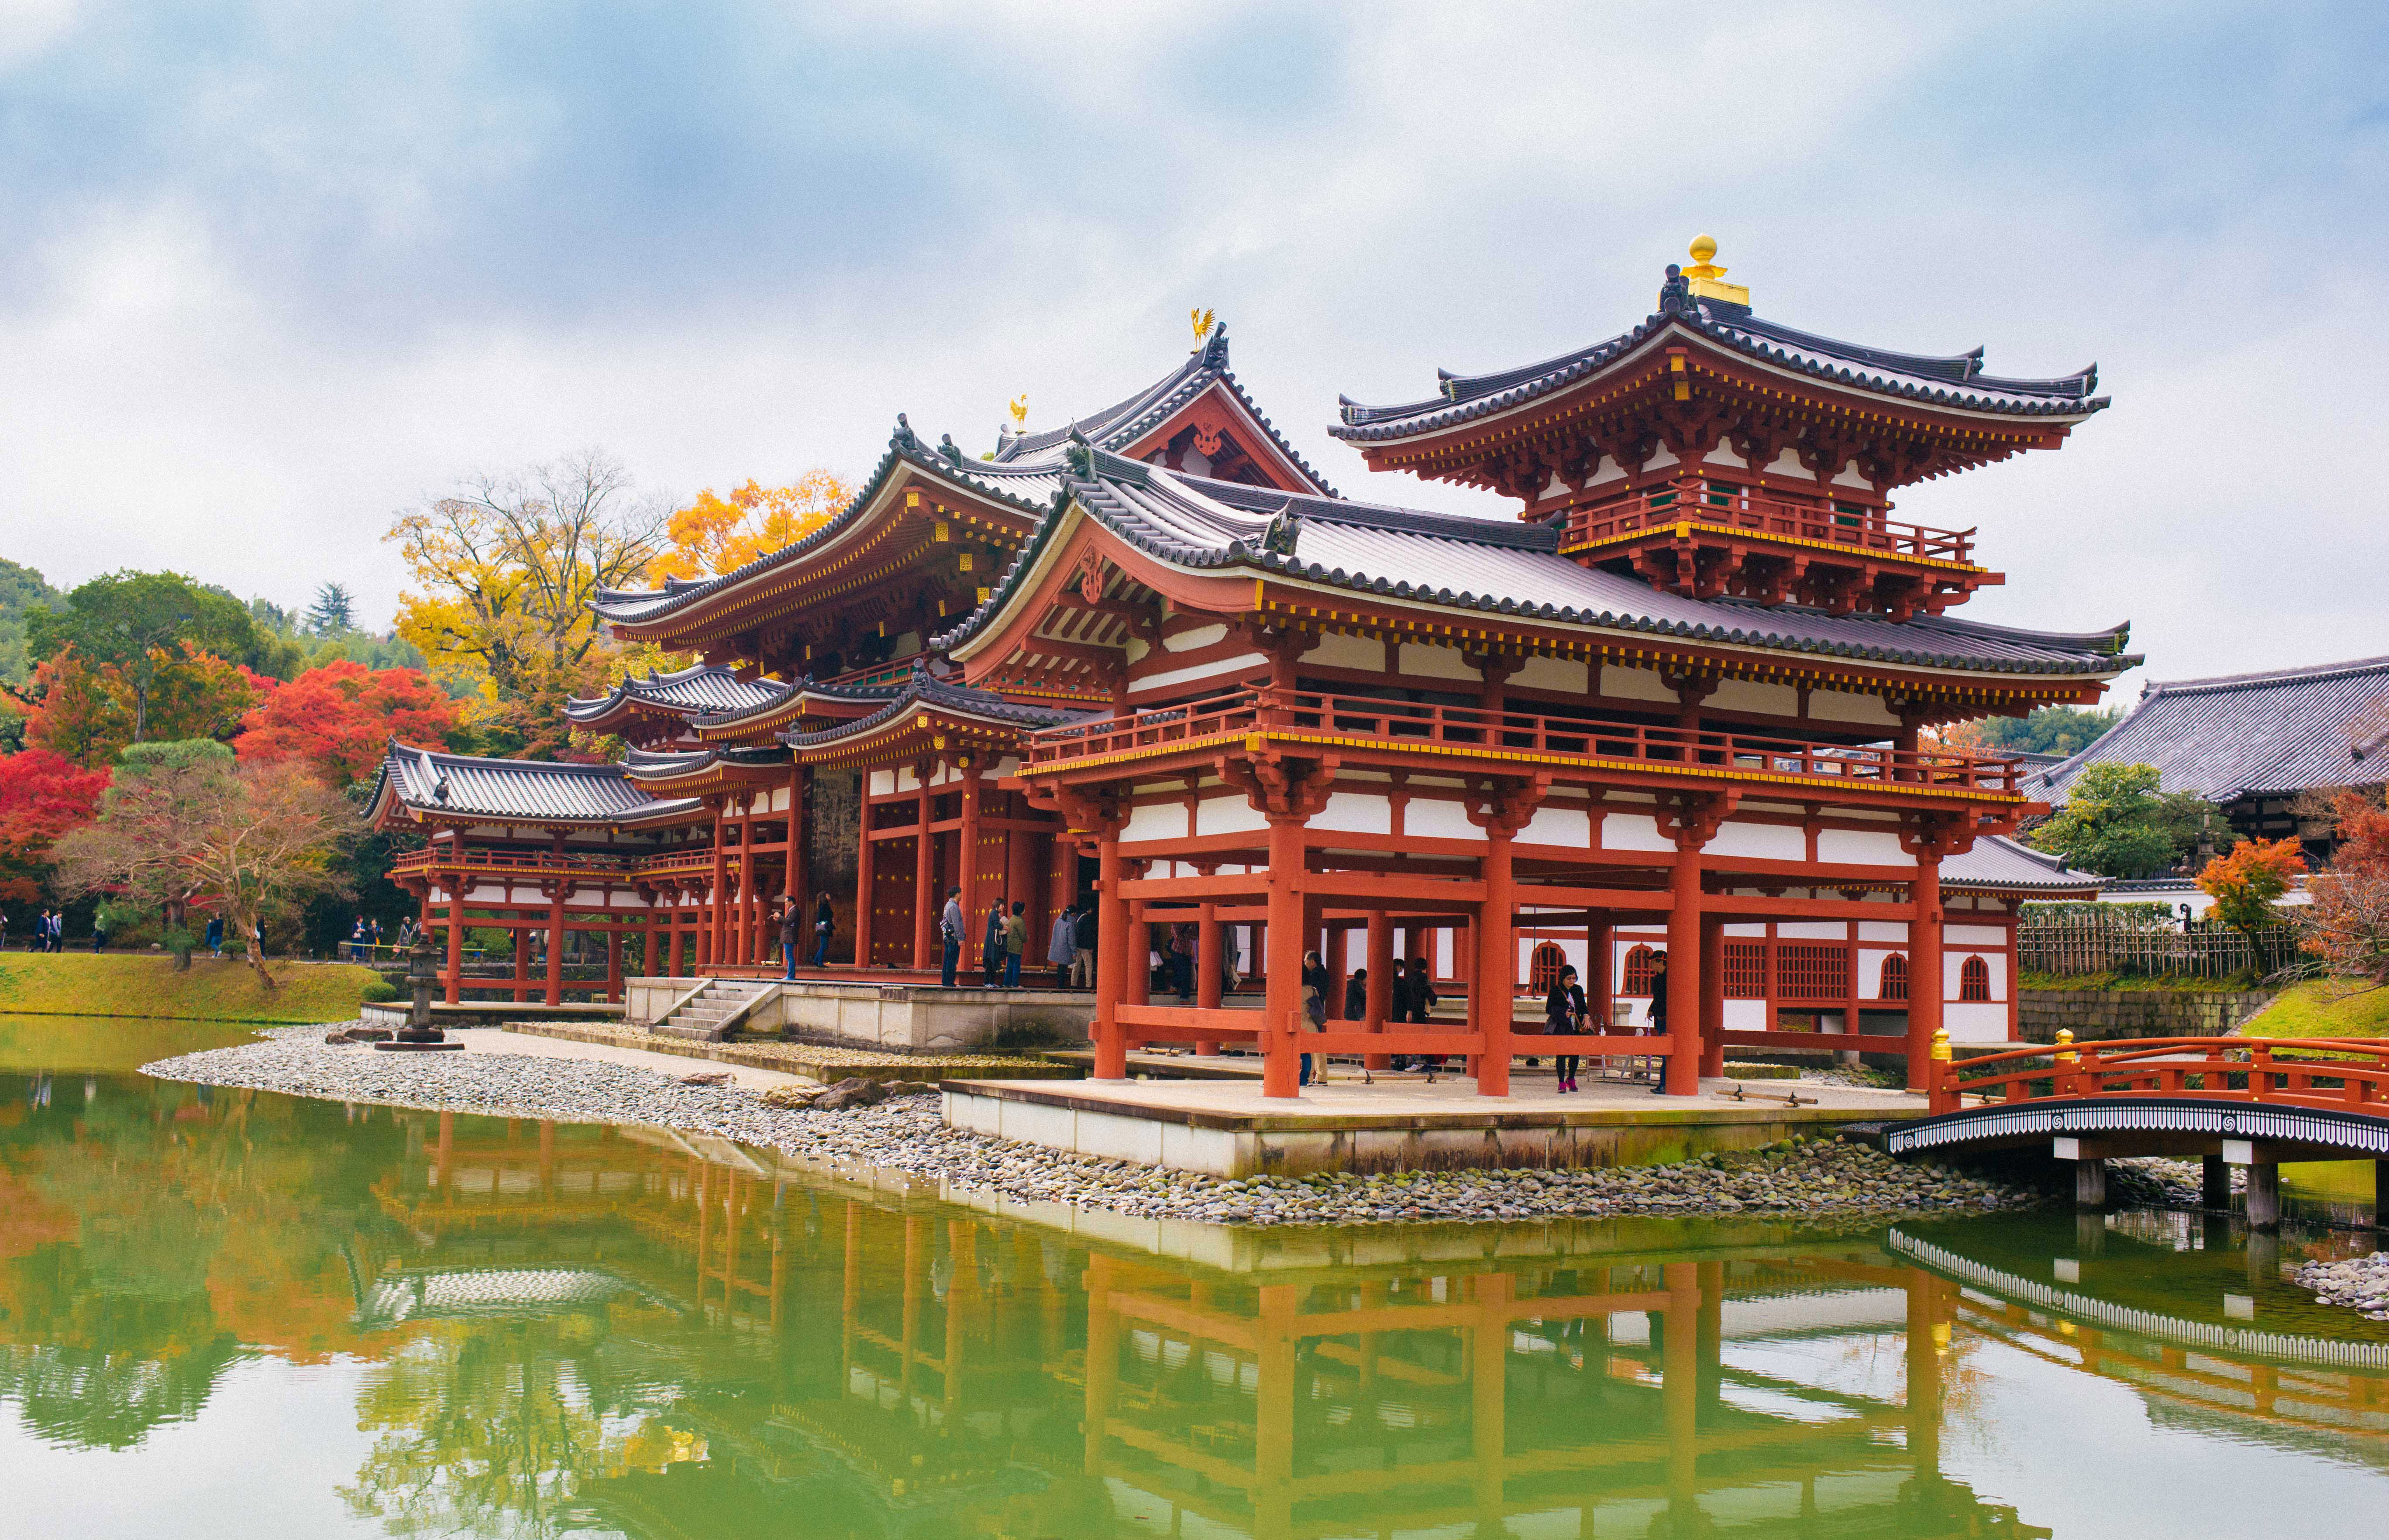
(380, 989)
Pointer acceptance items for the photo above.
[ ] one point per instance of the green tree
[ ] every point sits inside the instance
(334, 611)
(2118, 822)
(2063, 729)
(145, 626)
(20, 589)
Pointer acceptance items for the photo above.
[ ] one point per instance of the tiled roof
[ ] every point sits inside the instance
(530, 791)
(1504, 568)
(2243, 734)
(922, 688)
(658, 764)
(2001, 865)
(1956, 382)
(1026, 475)
(1117, 426)
(704, 688)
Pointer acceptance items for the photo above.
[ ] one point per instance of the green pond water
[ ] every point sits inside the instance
(231, 1314)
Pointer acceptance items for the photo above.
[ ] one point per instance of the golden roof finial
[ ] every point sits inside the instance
(1707, 279)
(1202, 319)
(1019, 411)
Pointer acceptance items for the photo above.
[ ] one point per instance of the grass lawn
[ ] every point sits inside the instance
(70, 984)
(2136, 983)
(2322, 1009)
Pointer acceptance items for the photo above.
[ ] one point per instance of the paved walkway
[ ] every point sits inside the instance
(492, 1039)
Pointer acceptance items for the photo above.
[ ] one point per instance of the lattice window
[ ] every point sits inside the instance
(1811, 971)
(1745, 970)
(1639, 963)
(1893, 983)
(1974, 980)
(1543, 967)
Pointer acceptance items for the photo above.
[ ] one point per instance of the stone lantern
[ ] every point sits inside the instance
(418, 1035)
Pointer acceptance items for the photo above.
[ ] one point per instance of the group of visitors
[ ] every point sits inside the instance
(365, 939)
(48, 934)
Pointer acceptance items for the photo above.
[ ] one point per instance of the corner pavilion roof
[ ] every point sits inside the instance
(707, 688)
(1997, 864)
(2286, 730)
(1954, 383)
(948, 700)
(519, 791)
(1025, 476)
(1515, 569)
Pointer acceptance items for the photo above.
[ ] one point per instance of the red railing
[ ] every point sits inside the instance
(544, 862)
(1865, 529)
(2330, 1074)
(1470, 731)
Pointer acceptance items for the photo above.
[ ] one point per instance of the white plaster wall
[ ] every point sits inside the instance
(1811, 930)
(1227, 815)
(1975, 1021)
(1742, 694)
(1425, 818)
(1168, 677)
(882, 783)
(1564, 674)
(1862, 848)
(1155, 820)
(1973, 936)
(1632, 832)
(1337, 650)
(1571, 827)
(1883, 930)
(1431, 662)
(1746, 1016)
(1839, 705)
(1201, 636)
(1634, 685)
(1779, 842)
(1356, 813)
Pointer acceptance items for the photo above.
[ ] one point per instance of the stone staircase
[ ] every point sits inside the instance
(708, 1016)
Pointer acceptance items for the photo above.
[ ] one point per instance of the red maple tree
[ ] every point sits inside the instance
(42, 797)
(340, 719)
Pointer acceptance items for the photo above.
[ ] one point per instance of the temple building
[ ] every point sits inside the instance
(1677, 707)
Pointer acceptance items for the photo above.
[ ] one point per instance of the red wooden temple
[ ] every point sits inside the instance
(1152, 661)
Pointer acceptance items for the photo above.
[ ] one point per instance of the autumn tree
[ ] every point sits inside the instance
(44, 797)
(2246, 883)
(147, 630)
(340, 719)
(253, 840)
(2118, 822)
(2345, 920)
(505, 568)
(716, 534)
(71, 711)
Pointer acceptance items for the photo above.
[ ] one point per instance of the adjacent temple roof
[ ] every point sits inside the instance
(1502, 567)
(521, 791)
(704, 689)
(1998, 864)
(947, 701)
(2250, 735)
(1954, 383)
(1026, 475)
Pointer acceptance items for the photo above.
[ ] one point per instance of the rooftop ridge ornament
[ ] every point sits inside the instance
(1706, 280)
(1019, 410)
(1202, 321)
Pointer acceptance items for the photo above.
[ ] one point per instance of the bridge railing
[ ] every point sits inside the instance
(2330, 1074)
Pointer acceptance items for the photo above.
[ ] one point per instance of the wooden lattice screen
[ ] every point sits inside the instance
(1745, 970)
(1895, 977)
(1811, 971)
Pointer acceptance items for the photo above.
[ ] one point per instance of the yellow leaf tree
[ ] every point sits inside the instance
(716, 534)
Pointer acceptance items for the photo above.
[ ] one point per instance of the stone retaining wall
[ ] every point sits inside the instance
(2091, 1014)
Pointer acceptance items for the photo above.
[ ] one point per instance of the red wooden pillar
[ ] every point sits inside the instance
(1712, 996)
(1685, 967)
(1208, 969)
(648, 967)
(865, 862)
(1111, 960)
(924, 882)
(792, 883)
(966, 866)
(711, 951)
(520, 935)
(1380, 964)
(750, 884)
(1925, 988)
(613, 961)
(1281, 1010)
(1492, 1000)
(555, 993)
(455, 982)
(1600, 973)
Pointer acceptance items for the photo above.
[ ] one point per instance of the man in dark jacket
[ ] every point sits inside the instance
(1083, 937)
(824, 926)
(789, 929)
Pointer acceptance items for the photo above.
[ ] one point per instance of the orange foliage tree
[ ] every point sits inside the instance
(716, 534)
(2245, 883)
(87, 713)
(2346, 920)
(44, 797)
(340, 718)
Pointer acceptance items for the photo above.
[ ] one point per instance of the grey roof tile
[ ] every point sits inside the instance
(703, 688)
(1998, 864)
(528, 791)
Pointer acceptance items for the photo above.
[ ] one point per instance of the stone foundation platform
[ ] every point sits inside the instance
(891, 1018)
(1225, 1128)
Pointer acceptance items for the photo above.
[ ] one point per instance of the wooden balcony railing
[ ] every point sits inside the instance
(546, 862)
(1867, 530)
(1365, 721)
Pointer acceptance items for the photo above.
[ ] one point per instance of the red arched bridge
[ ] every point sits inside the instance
(2246, 1101)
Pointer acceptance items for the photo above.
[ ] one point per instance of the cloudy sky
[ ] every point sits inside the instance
(273, 270)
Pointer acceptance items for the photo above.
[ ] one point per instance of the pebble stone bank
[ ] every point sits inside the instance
(1818, 1177)
(2358, 1283)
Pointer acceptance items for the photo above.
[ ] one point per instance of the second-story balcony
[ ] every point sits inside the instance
(1462, 736)
(1707, 538)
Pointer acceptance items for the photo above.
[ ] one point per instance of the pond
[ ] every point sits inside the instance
(235, 1314)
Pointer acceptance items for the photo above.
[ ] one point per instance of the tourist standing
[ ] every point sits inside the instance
(951, 926)
(1563, 1016)
(790, 928)
(215, 935)
(1016, 942)
(1655, 1022)
(1082, 943)
(99, 931)
(1423, 1000)
(1356, 995)
(1062, 945)
(1314, 1009)
(990, 948)
(824, 926)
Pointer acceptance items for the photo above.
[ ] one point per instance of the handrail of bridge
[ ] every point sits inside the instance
(2220, 1069)
(1471, 730)
(1868, 530)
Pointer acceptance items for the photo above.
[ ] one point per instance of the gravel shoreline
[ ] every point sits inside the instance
(2360, 1283)
(1814, 1176)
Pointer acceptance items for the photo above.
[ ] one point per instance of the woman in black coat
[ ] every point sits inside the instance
(1564, 1010)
